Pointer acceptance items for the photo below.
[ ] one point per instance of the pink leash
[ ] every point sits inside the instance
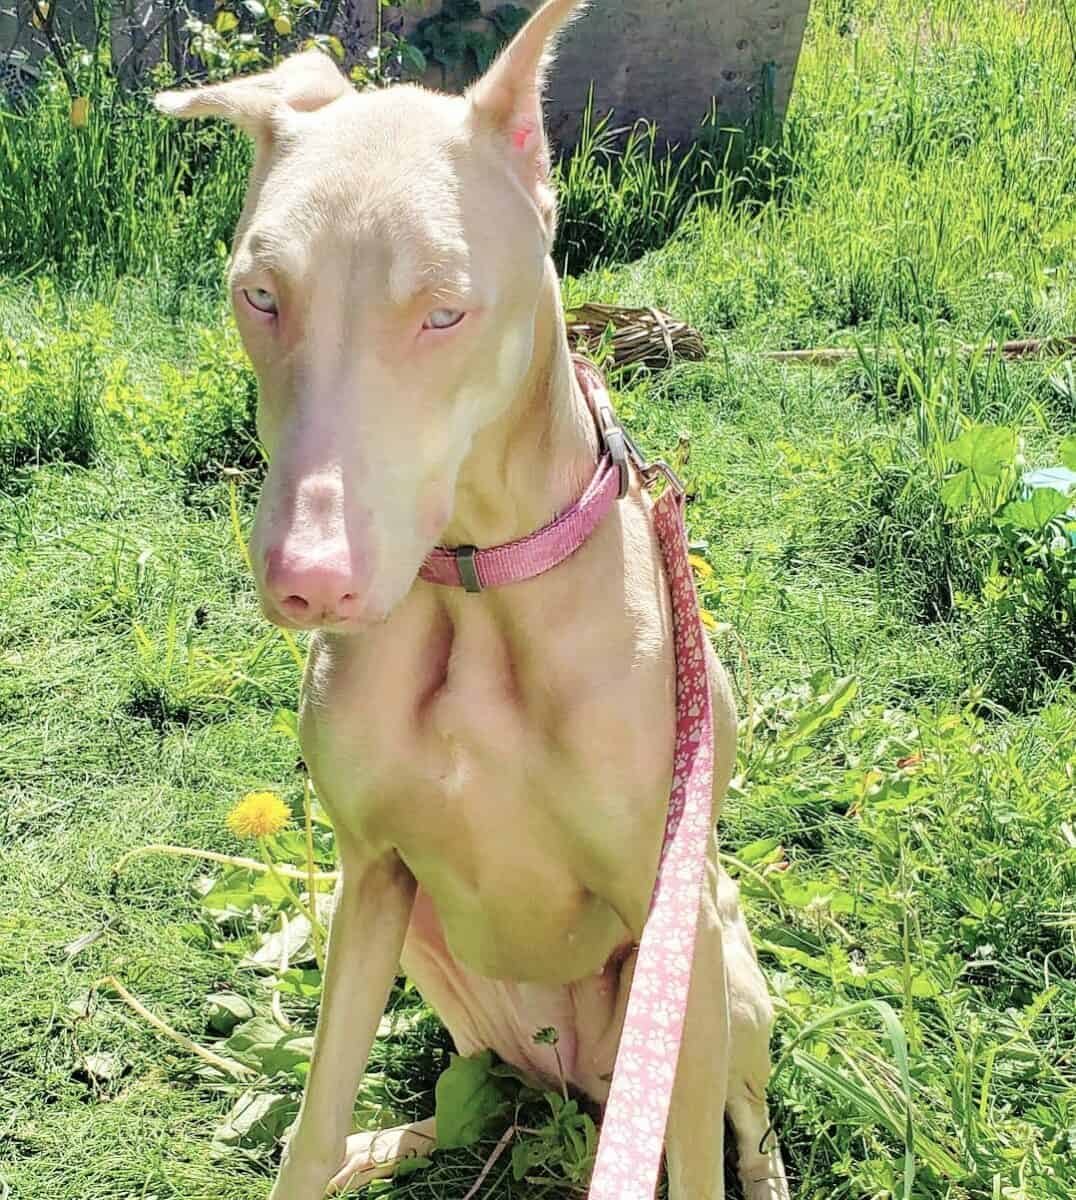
(637, 1112)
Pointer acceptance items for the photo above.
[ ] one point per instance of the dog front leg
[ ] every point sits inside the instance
(365, 940)
(695, 1141)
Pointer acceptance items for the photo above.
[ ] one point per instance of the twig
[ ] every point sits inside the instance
(227, 860)
(491, 1162)
(820, 356)
(234, 1069)
(830, 356)
(45, 20)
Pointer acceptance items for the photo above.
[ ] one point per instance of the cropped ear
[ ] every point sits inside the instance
(508, 100)
(302, 83)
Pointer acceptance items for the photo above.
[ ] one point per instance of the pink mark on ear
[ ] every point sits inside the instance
(523, 133)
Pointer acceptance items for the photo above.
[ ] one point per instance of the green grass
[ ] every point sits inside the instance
(910, 752)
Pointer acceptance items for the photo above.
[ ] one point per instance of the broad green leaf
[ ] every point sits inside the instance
(286, 721)
(804, 894)
(821, 710)
(290, 847)
(226, 1010)
(1068, 452)
(1037, 511)
(238, 890)
(919, 984)
(257, 1120)
(755, 852)
(508, 19)
(525, 1155)
(412, 58)
(482, 46)
(957, 490)
(468, 1100)
(226, 21)
(305, 983)
(797, 948)
(986, 450)
(262, 1044)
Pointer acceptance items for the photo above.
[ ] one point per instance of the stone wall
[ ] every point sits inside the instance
(663, 60)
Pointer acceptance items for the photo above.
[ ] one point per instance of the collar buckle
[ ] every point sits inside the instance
(468, 569)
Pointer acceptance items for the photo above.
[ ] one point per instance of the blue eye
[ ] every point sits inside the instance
(260, 299)
(443, 318)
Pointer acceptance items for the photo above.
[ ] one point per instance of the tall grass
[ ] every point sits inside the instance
(624, 191)
(883, 96)
(130, 192)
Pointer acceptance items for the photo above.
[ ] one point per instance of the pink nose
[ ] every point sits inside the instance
(312, 591)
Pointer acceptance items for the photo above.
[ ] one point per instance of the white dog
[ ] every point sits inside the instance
(497, 767)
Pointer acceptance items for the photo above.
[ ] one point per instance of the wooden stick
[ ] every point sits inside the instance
(491, 1162)
(830, 356)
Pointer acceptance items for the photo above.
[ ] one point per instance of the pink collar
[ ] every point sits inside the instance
(493, 566)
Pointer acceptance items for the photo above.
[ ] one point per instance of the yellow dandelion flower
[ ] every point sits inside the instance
(257, 815)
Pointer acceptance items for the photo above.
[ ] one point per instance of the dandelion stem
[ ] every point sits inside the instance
(228, 1066)
(293, 896)
(227, 860)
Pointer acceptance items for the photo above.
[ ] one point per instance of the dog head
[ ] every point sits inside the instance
(385, 278)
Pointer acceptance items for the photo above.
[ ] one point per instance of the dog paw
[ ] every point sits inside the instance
(376, 1155)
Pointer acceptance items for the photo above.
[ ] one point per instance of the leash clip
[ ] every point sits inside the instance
(616, 440)
(649, 471)
(623, 450)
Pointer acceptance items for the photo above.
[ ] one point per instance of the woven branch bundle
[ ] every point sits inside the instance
(636, 335)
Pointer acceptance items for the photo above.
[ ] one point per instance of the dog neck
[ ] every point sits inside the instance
(537, 457)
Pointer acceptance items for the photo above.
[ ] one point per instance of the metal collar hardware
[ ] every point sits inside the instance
(465, 564)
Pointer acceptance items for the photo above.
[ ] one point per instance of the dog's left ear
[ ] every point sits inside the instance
(508, 100)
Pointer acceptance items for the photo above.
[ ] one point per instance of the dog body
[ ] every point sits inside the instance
(497, 767)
